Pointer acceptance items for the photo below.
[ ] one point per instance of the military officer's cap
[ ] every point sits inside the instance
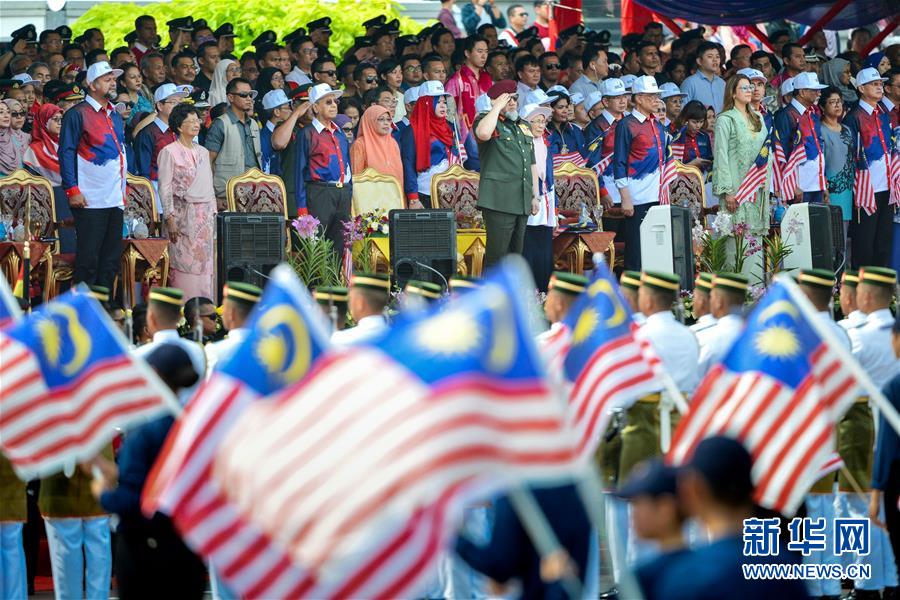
(821, 278)
(224, 30)
(266, 37)
(167, 295)
(850, 278)
(9, 84)
(201, 24)
(425, 289)
(393, 26)
(630, 280)
(297, 33)
(331, 294)
(878, 276)
(573, 30)
(200, 98)
(567, 283)
(182, 23)
(323, 24)
(426, 32)
(65, 32)
(100, 292)
(301, 92)
(731, 281)
(371, 281)
(704, 282)
(245, 293)
(59, 91)
(507, 86)
(27, 33)
(527, 34)
(363, 41)
(666, 282)
(378, 21)
(462, 284)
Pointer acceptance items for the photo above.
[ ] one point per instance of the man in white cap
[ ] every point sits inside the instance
(593, 108)
(799, 121)
(871, 229)
(596, 68)
(673, 99)
(639, 154)
(233, 138)
(92, 165)
(600, 138)
(786, 91)
(277, 108)
(152, 134)
(322, 173)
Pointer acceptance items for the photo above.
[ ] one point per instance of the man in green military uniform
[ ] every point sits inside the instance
(507, 189)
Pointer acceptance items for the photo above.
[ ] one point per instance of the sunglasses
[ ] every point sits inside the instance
(250, 94)
(552, 66)
(371, 79)
(18, 113)
(414, 68)
(347, 129)
(128, 104)
(210, 316)
(330, 73)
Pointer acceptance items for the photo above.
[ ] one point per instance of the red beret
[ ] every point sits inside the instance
(507, 86)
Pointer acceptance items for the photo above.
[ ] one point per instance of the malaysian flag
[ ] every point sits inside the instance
(595, 159)
(360, 472)
(777, 164)
(286, 335)
(609, 366)
(755, 177)
(780, 390)
(573, 157)
(667, 176)
(677, 145)
(863, 192)
(68, 383)
(894, 168)
(9, 307)
(790, 174)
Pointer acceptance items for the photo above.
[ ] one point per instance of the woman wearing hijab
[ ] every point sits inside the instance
(270, 78)
(836, 73)
(151, 559)
(18, 115)
(538, 249)
(429, 145)
(41, 156)
(375, 147)
(226, 70)
(11, 149)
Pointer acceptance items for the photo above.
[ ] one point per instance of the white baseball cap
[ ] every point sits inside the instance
(576, 98)
(558, 90)
(317, 92)
(787, 86)
(628, 80)
(99, 69)
(592, 100)
(868, 75)
(167, 90)
(669, 90)
(411, 95)
(644, 85)
(539, 96)
(483, 103)
(25, 79)
(752, 74)
(432, 88)
(807, 81)
(274, 99)
(529, 111)
(614, 87)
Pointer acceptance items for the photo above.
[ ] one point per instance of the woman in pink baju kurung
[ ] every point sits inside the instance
(189, 206)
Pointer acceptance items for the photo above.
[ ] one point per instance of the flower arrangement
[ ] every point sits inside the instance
(313, 257)
(360, 229)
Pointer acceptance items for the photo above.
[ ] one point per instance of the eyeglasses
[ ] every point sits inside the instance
(309, 50)
(385, 119)
(745, 88)
(330, 72)
(552, 66)
(521, 14)
(18, 113)
(56, 119)
(414, 68)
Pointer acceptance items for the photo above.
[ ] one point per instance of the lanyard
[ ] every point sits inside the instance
(887, 157)
(693, 143)
(659, 149)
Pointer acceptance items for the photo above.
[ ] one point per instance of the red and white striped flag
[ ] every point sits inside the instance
(678, 151)
(601, 166)
(573, 157)
(777, 167)
(755, 177)
(790, 174)
(832, 463)
(780, 390)
(666, 177)
(863, 192)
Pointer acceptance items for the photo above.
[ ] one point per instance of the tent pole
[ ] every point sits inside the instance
(881, 35)
(823, 21)
(758, 34)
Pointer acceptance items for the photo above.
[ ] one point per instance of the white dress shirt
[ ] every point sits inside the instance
(676, 347)
(366, 328)
(716, 341)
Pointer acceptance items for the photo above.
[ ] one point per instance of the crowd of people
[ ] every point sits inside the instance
(487, 92)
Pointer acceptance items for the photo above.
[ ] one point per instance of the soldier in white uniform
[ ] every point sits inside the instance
(853, 317)
(629, 283)
(871, 346)
(163, 315)
(333, 302)
(368, 298)
(726, 302)
(460, 285)
(702, 288)
(818, 286)
(240, 298)
(562, 291)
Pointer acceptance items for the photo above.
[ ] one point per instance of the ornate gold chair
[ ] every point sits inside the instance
(257, 192)
(688, 189)
(145, 260)
(376, 192)
(19, 190)
(456, 189)
(578, 188)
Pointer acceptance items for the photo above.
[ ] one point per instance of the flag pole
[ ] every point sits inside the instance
(887, 409)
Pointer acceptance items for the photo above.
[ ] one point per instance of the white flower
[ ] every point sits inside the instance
(722, 224)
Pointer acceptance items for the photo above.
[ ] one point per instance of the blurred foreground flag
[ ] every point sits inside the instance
(9, 306)
(361, 471)
(67, 381)
(286, 336)
(781, 389)
(610, 367)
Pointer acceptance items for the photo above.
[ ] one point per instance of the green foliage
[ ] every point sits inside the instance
(714, 256)
(776, 251)
(314, 261)
(249, 17)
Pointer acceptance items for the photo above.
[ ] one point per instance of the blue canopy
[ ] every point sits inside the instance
(744, 12)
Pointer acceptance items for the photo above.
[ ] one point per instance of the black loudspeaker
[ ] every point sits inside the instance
(249, 246)
(839, 247)
(423, 245)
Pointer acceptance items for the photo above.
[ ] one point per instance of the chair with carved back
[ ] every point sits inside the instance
(688, 189)
(456, 189)
(376, 192)
(27, 200)
(577, 188)
(257, 192)
(144, 260)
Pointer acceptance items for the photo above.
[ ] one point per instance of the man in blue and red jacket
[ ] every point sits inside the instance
(92, 164)
(322, 172)
(800, 130)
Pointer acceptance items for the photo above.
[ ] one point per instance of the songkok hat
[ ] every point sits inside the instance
(821, 278)
(731, 281)
(100, 292)
(850, 278)
(630, 280)
(371, 281)
(239, 291)
(461, 284)
(166, 295)
(331, 294)
(704, 282)
(666, 282)
(878, 276)
(567, 283)
(425, 289)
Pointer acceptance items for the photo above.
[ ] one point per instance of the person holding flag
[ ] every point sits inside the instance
(726, 302)
(240, 299)
(562, 292)
(600, 136)
(368, 298)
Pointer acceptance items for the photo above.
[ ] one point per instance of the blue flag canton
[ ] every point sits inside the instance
(599, 316)
(282, 343)
(7, 314)
(762, 159)
(482, 334)
(68, 336)
(777, 341)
